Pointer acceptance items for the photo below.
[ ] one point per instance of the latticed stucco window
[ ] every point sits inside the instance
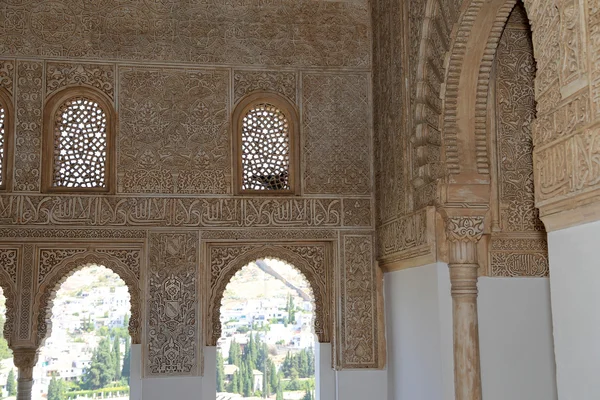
(78, 141)
(6, 123)
(266, 145)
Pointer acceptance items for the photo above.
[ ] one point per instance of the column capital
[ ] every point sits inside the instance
(25, 359)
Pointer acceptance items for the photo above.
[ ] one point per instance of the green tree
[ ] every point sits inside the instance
(235, 354)
(102, 368)
(308, 393)
(279, 395)
(56, 389)
(220, 373)
(125, 372)
(117, 357)
(11, 384)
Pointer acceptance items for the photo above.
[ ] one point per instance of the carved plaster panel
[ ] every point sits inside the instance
(358, 335)
(407, 237)
(9, 266)
(172, 305)
(312, 259)
(28, 133)
(26, 292)
(174, 131)
(7, 75)
(515, 111)
(511, 256)
(99, 76)
(287, 32)
(209, 212)
(245, 82)
(337, 134)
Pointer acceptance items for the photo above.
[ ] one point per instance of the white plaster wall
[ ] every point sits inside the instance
(419, 334)
(360, 385)
(515, 339)
(575, 293)
(325, 385)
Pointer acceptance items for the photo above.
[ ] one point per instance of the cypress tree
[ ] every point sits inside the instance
(117, 357)
(11, 384)
(235, 385)
(220, 373)
(235, 354)
(279, 395)
(101, 371)
(126, 371)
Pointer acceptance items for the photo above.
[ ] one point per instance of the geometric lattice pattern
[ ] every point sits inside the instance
(265, 149)
(2, 139)
(80, 144)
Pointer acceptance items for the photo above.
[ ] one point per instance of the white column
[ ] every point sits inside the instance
(325, 374)
(135, 372)
(463, 233)
(209, 380)
(575, 298)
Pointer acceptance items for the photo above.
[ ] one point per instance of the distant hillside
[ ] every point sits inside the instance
(267, 269)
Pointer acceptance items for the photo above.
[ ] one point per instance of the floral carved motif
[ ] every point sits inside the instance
(28, 133)
(7, 75)
(172, 306)
(245, 82)
(337, 149)
(25, 295)
(9, 263)
(63, 269)
(357, 212)
(99, 76)
(312, 260)
(174, 131)
(358, 341)
(464, 229)
(49, 258)
(515, 111)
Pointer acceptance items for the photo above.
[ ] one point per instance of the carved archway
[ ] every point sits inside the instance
(467, 157)
(8, 282)
(61, 272)
(312, 260)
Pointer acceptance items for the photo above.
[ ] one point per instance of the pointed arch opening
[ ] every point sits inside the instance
(87, 352)
(268, 340)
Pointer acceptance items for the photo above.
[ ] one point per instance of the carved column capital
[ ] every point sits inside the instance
(25, 359)
(464, 228)
(463, 233)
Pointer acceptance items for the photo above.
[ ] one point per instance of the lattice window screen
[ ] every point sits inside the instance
(2, 139)
(80, 144)
(265, 149)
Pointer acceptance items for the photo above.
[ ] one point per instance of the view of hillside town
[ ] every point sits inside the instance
(266, 350)
(87, 354)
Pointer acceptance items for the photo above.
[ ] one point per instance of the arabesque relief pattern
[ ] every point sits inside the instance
(173, 127)
(172, 305)
(313, 260)
(9, 262)
(518, 219)
(337, 134)
(358, 343)
(274, 33)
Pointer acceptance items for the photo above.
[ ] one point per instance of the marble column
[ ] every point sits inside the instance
(25, 359)
(463, 233)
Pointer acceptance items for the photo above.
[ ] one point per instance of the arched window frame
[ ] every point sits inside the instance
(6, 169)
(289, 110)
(53, 104)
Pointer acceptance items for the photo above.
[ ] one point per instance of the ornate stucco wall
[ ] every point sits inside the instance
(174, 71)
